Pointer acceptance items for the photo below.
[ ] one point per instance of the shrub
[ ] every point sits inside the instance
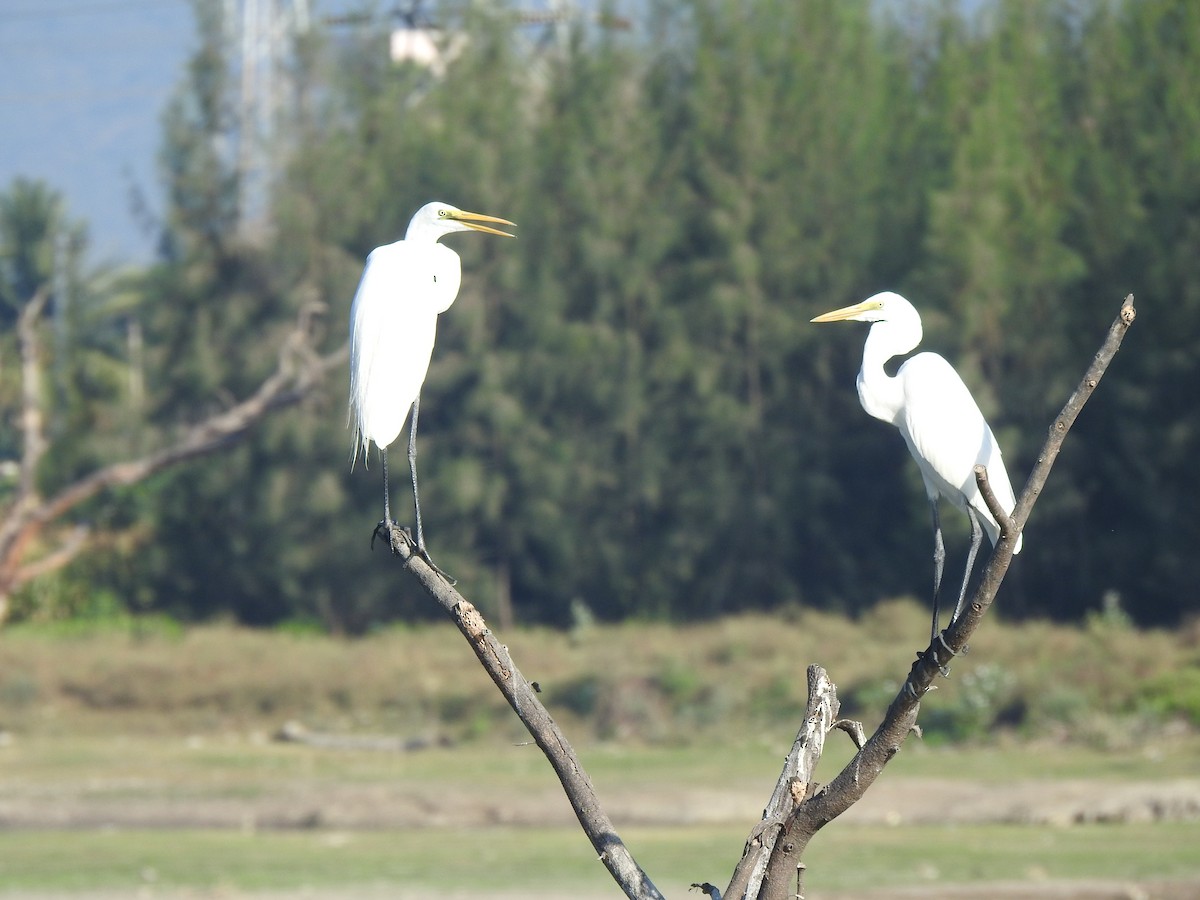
(1174, 694)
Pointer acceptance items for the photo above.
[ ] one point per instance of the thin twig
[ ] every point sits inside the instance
(854, 728)
(521, 696)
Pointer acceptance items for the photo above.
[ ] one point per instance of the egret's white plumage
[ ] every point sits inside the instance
(393, 321)
(938, 418)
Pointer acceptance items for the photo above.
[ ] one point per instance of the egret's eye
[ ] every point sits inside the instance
(441, 213)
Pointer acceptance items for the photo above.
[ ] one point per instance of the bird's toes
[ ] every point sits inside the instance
(940, 638)
(424, 554)
(383, 527)
(385, 531)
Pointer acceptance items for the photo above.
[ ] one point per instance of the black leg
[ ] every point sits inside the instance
(976, 539)
(387, 503)
(386, 524)
(939, 562)
(412, 468)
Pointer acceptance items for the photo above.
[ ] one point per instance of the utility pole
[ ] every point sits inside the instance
(60, 291)
(260, 35)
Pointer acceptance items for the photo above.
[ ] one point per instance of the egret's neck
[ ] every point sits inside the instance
(881, 394)
(423, 231)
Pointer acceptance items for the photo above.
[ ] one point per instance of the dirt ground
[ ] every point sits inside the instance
(896, 802)
(101, 802)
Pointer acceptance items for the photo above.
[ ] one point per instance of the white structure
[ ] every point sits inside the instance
(427, 47)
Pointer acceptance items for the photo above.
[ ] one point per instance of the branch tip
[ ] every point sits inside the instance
(853, 728)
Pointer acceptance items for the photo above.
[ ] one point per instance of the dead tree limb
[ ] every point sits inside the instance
(298, 371)
(495, 659)
(795, 785)
(771, 861)
(860, 773)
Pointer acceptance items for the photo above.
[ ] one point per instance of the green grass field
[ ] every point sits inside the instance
(542, 860)
(143, 760)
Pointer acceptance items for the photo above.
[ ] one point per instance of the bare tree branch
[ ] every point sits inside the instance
(495, 659)
(854, 729)
(283, 388)
(794, 786)
(72, 544)
(958, 636)
(860, 773)
(299, 370)
(772, 856)
(1008, 525)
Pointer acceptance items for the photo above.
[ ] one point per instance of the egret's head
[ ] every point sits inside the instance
(436, 219)
(884, 307)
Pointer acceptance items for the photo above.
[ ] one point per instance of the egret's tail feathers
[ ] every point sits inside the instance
(362, 444)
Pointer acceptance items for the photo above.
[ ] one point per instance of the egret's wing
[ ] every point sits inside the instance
(364, 341)
(392, 331)
(949, 436)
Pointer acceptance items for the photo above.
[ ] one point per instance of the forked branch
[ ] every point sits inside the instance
(771, 861)
(298, 371)
(795, 783)
(860, 773)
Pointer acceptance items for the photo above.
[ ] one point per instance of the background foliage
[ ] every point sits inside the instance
(628, 413)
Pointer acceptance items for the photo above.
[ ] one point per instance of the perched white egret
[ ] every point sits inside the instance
(404, 287)
(939, 419)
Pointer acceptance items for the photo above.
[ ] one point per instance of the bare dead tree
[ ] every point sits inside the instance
(23, 520)
(771, 867)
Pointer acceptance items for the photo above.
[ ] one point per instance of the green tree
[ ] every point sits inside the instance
(1138, 225)
(799, 138)
(627, 409)
(68, 386)
(228, 333)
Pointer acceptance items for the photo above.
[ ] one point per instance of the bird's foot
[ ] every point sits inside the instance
(966, 648)
(384, 530)
(392, 535)
(424, 554)
(940, 638)
(389, 531)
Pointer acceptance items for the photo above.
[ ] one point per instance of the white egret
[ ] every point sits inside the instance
(939, 419)
(404, 288)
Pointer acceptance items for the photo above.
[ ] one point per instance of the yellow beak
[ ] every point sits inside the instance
(470, 219)
(848, 312)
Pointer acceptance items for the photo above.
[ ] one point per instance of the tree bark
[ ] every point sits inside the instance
(795, 785)
(523, 699)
